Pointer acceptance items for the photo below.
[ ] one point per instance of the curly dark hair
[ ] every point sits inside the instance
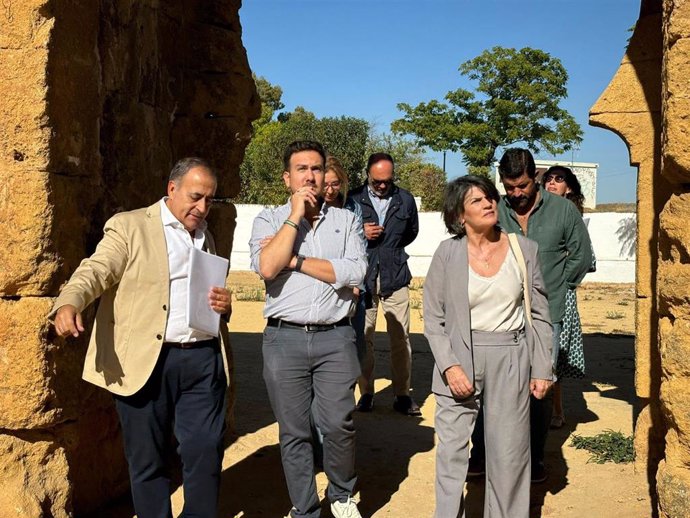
(575, 195)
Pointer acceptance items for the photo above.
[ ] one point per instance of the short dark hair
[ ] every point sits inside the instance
(184, 165)
(515, 162)
(378, 157)
(454, 200)
(302, 145)
(575, 195)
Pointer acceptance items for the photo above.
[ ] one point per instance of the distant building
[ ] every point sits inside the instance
(586, 173)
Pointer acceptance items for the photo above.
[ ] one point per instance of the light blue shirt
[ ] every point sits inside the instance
(296, 297)
(380, 204)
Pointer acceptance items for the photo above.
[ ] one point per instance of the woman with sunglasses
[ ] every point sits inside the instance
(561, 181)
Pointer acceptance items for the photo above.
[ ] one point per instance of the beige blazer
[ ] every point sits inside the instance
(447, 324)
(129, 272)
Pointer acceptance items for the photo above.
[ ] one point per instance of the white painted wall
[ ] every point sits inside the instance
(610, 232)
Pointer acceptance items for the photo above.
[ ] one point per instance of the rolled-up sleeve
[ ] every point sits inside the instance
(435, 313)
(352, 267)
(262, 227)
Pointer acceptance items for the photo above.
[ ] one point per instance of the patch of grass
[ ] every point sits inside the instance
(614, 315)
(250, 294)
(608, 446)
(623, 303)
(415, 303)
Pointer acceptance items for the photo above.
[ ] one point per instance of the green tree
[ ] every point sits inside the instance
(424, 180)
(261, 170)
(516, 101)
(270, 96)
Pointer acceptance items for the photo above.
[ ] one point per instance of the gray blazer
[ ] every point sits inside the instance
(447, 324)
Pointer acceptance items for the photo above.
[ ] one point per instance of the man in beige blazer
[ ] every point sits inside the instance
(166, 377)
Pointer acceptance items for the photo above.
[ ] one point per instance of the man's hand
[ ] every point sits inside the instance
(538, 388)
(458, 382)
(372, 231)
(68, 321)
(299, 201)
(219, 300)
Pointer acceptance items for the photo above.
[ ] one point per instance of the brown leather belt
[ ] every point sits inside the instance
(211, 342)
(309, 328)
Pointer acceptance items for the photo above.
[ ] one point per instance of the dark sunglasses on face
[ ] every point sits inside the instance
(558, 178)
(385, 183)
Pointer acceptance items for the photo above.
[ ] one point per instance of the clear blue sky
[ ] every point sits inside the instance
(362, 57)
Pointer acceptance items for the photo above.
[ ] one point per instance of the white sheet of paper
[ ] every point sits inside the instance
(205, 270)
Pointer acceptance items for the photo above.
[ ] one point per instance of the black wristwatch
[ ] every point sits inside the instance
(298, 264)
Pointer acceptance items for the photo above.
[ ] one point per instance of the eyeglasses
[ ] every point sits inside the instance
(333, 185)
(385, 183)
(558, 178)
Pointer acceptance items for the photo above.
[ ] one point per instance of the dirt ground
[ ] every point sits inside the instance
(395, 454)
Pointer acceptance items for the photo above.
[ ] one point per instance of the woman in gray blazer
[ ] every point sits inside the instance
(491, 345)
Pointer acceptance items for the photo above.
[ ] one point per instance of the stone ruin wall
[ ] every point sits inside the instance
(648, 104)
(98, 99)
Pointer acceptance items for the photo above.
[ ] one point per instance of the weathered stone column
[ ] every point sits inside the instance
(673, 478)
(99, 98)
(631, 107)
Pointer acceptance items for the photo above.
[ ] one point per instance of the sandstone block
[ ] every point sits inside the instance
(647, 368)
(24, 133)
(673, 487)
(40, 382)
(676, 409)
(24, 25)
(34, 476)
(25, 218)
(674, 345)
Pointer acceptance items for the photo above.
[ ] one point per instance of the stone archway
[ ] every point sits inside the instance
(98, 100)
(647, 105)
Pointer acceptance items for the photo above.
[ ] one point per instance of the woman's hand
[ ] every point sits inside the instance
(458, 382)
(538, 388)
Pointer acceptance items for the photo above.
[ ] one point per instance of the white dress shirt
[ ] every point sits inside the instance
(179, 243)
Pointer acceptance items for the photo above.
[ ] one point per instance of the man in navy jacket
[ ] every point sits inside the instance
(390, 219)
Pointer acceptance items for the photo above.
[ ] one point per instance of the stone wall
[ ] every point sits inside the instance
(99, 98)
(648, 105)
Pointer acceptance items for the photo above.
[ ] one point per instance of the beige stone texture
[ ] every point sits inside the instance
(99, 99)
(34, 476)
(673, 485)
(676, 134)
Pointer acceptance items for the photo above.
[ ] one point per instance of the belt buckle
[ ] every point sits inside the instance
(311, 328)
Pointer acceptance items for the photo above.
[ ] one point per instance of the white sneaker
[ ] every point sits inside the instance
(347, 509)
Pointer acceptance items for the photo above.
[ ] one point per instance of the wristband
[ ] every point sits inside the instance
(291, 224)
(298, 264)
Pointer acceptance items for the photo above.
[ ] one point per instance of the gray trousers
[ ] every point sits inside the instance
(301, 367)
(502, 370)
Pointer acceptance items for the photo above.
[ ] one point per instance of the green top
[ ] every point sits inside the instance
(565, 251)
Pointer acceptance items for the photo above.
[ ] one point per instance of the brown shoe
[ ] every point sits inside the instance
(406, 405)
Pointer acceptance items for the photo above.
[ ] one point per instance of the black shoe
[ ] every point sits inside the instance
(539, 473)
(406, 405)
(365, 403)
(476, 467)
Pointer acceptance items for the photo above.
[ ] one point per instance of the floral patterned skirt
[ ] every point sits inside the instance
(571, 357)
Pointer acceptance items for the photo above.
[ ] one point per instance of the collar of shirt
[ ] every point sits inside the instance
(169, 220)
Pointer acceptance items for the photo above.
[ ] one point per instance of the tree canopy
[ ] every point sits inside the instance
(516, 101)
(350, 139)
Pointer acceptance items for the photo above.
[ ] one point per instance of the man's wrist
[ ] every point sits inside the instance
(298, 263)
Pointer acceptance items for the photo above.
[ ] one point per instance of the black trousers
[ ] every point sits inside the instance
(184, 396)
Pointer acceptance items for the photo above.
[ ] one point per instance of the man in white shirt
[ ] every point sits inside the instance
(167, 378)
